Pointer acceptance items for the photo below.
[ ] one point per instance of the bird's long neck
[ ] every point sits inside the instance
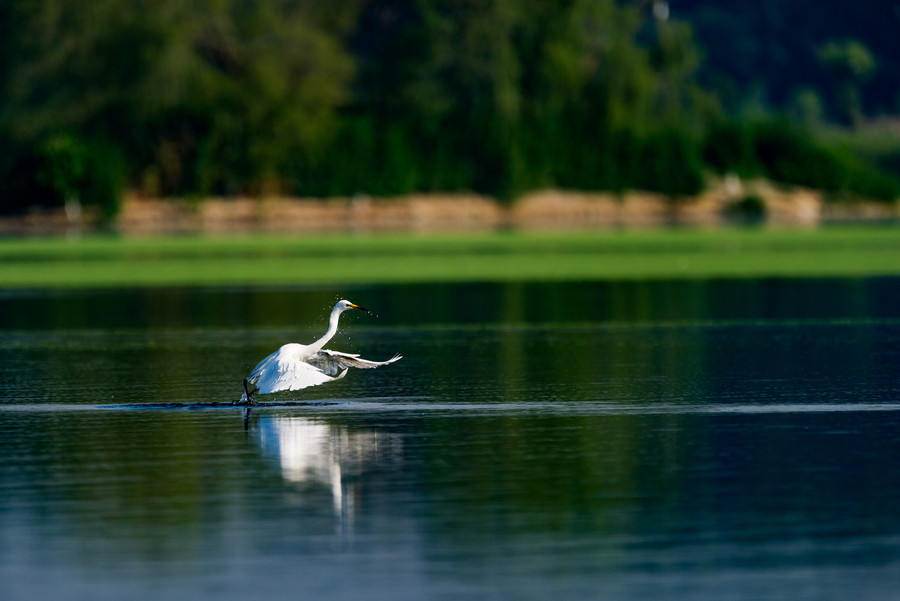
(332, 330)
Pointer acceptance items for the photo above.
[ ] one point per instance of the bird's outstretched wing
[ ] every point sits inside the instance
(331, 362)
(279, 372)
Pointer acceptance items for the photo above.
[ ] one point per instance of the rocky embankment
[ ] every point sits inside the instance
(727, 202)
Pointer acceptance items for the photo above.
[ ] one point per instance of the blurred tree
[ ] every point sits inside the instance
(806, 107)
(277, 80)
(200, 96)
(675, 59)
(502, 96)
(850, 64)
(64, 167)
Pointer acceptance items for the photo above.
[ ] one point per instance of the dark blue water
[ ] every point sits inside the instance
(717, 440)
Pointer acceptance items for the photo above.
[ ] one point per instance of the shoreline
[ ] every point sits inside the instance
(545, 210)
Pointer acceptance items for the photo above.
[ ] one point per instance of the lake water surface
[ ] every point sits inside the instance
(606, 440)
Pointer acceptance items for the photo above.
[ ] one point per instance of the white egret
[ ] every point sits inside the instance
(295, 366)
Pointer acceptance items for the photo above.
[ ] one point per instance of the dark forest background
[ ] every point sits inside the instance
(386, 97)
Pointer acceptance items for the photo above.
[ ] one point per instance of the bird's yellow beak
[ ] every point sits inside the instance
(358, 307)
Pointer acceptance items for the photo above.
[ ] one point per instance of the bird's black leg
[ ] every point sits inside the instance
(247, 392)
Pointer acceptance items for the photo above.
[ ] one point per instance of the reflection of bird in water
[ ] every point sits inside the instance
(312, 454)
(295, 366)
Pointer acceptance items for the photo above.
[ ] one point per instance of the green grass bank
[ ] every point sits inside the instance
(99, 261)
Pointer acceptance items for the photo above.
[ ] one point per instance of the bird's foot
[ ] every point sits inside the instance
(247, 397)
(244, 400)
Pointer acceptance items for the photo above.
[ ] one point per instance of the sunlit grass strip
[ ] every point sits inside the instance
(678, 254)
(727, 240)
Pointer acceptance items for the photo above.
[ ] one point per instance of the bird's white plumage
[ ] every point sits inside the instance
(286, 369)
(296, 366)
(331, 362)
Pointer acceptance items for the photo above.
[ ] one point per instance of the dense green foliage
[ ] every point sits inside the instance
(311, 97)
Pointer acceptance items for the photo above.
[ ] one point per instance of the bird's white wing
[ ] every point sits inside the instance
(281, 371)
(331, 362)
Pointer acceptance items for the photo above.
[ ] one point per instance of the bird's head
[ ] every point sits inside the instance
(343, 305)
